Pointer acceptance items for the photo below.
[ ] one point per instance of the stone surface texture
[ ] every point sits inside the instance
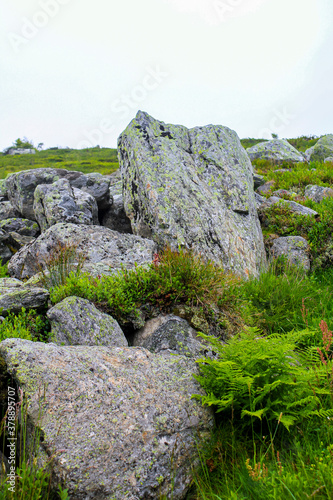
(60, 202)
(96, 243)
(7, 211)
(121, 419)
(277, 151)
(321, 150)
(75, 321)
(293, 205)
(317, 193)
(169, 334)
(24, 227)
(192, 188)
(14, 295)
(295, 248)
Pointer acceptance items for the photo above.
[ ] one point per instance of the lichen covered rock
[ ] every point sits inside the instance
(75, 321)
(317, 193)
(191, 188)
(321, 150)
(24, 227)
(119, 422)
(14, 295)
(60, 202)
(277, 151)
(294, 248)
(96, 243)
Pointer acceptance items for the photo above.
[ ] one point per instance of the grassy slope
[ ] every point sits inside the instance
(102, 160)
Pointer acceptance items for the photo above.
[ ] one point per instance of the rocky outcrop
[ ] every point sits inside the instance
(14, 295)
(277, 151)
(60, 202)
(7, 211)
(98, 244)
(75, 321)
(24, 227)
(169, 334)
(119, 422)
(21, 187)
(317, 193)
(321, 150)
(294, 248)
(297, 208)
(192, 188)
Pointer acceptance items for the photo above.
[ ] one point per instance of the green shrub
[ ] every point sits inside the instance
(28, 325)
(3, 270)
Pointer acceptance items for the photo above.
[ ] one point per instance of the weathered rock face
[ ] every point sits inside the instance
(24, 227)
(7, 211)
(295, 248)
(277, 151)
(97, 185)
(321, 150)
(98, 244)
(317, 193)
(59, 202)
(14, 295)
(194, 188)
(7, 246)
(169, 334)
(21, 187)
(75, 321)
(123, 418)
(294, 207)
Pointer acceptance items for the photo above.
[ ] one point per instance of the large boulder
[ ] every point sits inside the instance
(277, 151)
(60, 202)
(192, 188)
(295, 207)
(119, 422)
(24, 227)
(321, 150)
(294, 248)
(75, 321)
(97, 243)
(169, 334)
(21, 187)
(14, 295)
(7, 211)
(317, 193)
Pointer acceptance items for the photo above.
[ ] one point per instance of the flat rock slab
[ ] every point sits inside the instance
(14, 296)
(97, 243)
(122, 419)
(75, 321)
(192, 188)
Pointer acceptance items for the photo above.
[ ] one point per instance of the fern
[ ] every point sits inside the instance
(270, 378)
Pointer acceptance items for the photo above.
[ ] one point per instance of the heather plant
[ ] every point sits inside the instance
(27, 324)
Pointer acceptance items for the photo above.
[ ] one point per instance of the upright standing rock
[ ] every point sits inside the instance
(194, 188)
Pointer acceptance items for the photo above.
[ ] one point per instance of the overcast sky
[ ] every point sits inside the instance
(75, 72)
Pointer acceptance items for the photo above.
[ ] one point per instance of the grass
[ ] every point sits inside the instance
(101, 160)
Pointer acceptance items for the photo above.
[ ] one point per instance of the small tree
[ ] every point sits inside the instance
(23, 144)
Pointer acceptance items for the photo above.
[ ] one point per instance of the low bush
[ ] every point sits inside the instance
(28, 325)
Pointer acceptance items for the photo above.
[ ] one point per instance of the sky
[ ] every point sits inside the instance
(75, 72)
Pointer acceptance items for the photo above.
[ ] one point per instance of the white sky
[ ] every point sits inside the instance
(75, 72)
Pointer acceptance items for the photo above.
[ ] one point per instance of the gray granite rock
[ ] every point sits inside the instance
(277, 151)
(294, 207)
(7, 246)
(192, 188)
(169, 334)
(321, 150)
(97, 243)
(14, 295)
(317, 193)
(259, 199)
(60, 202)
(258, 180)
(24, 227)
(75, 321)
(119, 422)
(97, 185)
(266, 188)
(7, 211)
(329, 159)
(295, 248)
